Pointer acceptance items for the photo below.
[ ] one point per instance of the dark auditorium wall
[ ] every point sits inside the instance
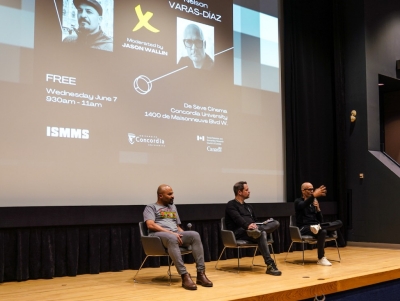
(29, 246)
(46, 242)
(372, 47)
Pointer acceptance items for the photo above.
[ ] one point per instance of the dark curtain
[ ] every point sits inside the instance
(47, 252)
(34, 253)
(314, 100)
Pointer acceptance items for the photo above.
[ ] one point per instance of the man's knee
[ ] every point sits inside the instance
(191, 236)
(272, 226)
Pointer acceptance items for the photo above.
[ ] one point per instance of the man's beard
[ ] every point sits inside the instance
(84, 26)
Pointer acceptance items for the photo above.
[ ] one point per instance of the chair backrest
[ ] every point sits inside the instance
(227, 236)
(223, 225)
(295, 234)
(152, 245)
(293, 220)
(143, 229)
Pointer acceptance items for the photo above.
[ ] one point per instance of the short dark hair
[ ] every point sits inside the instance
(239, 186)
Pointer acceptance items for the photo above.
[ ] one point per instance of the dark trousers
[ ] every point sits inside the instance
(262, 241)
(321, 235)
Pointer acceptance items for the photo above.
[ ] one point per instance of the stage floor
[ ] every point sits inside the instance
(359, 267)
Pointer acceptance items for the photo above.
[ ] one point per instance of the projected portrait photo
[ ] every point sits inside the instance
(195, 44)
(88, 24)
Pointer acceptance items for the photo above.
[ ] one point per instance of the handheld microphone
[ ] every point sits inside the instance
(189, 225)
(312, 205)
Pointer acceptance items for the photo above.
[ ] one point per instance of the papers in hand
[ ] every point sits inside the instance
(265, 222)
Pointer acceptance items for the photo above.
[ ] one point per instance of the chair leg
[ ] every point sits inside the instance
(134, 278)
(340, 259)
(219, 258)
(337, 248)
(254, 255)
(288, 250)
(302, 245)
(238, 251)
(169, 271)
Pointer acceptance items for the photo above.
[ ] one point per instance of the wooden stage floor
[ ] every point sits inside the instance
(359, 267)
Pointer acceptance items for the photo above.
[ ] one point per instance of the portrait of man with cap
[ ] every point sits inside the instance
(89, 33)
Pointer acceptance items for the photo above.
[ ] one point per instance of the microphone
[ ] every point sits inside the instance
(189, 225)
(312, 205)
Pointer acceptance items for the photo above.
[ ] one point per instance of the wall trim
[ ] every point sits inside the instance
(373, 245)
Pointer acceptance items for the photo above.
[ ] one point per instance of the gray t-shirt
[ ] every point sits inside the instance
(164, 216)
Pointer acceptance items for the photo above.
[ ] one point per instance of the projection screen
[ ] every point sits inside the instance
(103, 101)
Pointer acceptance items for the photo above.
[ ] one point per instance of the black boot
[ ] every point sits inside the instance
(273, 270)
(254, 233)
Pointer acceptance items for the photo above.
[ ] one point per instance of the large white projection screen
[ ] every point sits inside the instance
(102, 103)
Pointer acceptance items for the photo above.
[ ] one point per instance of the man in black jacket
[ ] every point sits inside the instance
(241, 219)
(309, 218)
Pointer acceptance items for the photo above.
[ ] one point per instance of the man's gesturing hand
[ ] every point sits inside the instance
(320, 191)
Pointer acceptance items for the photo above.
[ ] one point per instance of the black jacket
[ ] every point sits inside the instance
(306, 214)
(238, 216)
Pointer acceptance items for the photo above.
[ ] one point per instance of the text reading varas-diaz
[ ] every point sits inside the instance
(195, 10)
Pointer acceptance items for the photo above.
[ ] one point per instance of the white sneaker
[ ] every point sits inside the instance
(315, 228)
(324, 261)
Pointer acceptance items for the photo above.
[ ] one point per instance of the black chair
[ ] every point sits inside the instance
(152, 246)
(229, 241)
(296, 237)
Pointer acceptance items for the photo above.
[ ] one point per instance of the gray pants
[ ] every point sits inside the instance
(189, 238)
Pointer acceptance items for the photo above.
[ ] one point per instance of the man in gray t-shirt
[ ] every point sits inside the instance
(166, 217)
(162, 220)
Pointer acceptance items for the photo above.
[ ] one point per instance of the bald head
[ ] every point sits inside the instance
(193, 31)
(195, 44)
(161, 188)
(165, 195)
(307, 190)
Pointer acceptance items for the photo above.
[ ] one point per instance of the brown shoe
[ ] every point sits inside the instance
(188, 283)
(203, 280)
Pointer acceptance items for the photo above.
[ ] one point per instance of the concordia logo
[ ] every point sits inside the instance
(150, 140)
(131, 138)
(53, 131)
(144, 20)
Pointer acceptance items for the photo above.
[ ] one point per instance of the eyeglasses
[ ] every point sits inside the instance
(309, 189)
(196, 42)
